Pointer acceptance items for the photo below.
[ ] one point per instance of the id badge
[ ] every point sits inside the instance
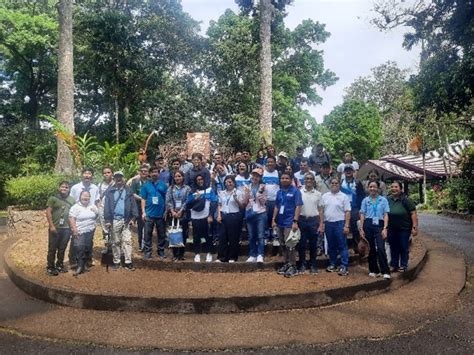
(282, 209)
(154, 200)
(61, 221)
(178, 204)
(375, 221)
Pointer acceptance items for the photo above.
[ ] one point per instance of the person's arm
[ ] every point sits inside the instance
(414, 221)
(296, 217)
(275, 213)
(385, 226)
(49, 217)
(73, 225)
(143, 203)
(321, 219)
(361, 227)
(219, 215)
(347, 218)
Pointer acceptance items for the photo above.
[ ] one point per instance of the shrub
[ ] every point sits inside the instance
(32, 192)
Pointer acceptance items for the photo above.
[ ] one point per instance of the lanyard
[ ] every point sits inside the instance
(228, 196)
(374, 205)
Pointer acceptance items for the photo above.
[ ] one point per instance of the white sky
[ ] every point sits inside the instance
(353, 48)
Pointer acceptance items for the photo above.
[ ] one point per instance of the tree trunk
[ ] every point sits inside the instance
(117, 121)
(266, 11)
(65, 107)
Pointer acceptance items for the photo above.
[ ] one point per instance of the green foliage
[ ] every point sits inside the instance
(352, 127)
(32, 192)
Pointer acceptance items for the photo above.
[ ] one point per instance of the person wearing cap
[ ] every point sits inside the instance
(285, 219)
(354, 189)
(296, 161)
(323, 179)
(120, 211)
(256, 216)
(164, 172)
(282, 162)
(303, 170)
(347, 160)
(318, 158)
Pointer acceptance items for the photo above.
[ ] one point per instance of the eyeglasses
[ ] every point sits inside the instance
(334, 183)
(309, 178)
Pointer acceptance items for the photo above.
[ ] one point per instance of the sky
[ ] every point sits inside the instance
(354, 47)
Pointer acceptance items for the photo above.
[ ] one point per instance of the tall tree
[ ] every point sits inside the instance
(266, 12)
(65, 107)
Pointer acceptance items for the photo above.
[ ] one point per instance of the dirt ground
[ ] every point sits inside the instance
(29, 255)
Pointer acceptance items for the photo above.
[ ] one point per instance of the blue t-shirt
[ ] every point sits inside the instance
(154, 196)
(374, 210)
(289, 199)
(119, 201)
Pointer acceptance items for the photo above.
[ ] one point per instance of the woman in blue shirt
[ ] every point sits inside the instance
(373, 227)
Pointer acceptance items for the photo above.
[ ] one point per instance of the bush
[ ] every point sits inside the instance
(32, 192)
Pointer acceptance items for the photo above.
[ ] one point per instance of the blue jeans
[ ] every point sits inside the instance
(256, 228)
(377, 256)
(337, 243)
(399, 240)
(268, 227)
(309, 234)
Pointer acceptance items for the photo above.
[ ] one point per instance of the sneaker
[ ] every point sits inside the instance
(302, 270)
(147, 257)
(140, 249)
(115, 266)
(402, 269)
(162, 255)
(231, 261)
(52, 271)
(283, 269)
(343, 271)
(313, 270)
(292, 271)
(386, 276)
(208, 257)
(373, 274)
(130, 267)
(197, 258)
(331, 268)
(62, 269)
(251, 259)
(276, 243)
(217, 261)
(260, 259)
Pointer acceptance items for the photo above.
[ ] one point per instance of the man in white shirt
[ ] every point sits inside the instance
(347, 160)
(304, 169)
(271, 179)
(86, 185)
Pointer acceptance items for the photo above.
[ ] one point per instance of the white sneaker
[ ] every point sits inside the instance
(372, 274)
(197, 258)
(260, 259)
(231, 261)
(276, 243)
(251, 259)
(386, 276)
(208, 257)
(217, 261)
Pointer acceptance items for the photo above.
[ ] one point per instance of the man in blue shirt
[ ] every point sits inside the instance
(153, 194)
(285, 218)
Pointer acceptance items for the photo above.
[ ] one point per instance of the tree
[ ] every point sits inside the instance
(65, 107)
(353, 127)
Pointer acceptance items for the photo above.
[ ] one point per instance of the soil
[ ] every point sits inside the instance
(29, 255)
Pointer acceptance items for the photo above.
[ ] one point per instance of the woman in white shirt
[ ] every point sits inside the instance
(230, 219)
(82, 219)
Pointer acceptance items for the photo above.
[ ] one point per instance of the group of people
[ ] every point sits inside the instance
(294, 204)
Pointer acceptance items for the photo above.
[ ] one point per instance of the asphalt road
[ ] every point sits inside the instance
(453, 334)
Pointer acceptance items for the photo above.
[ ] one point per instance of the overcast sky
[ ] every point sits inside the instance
(353, 48)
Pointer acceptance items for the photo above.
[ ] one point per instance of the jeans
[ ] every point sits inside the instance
(377, 256)
(270, 208)
(201, 230)
(229, 236)
(83, 246)
(399, 240)
(309, 234)
(57, 244)
(353, 227)
(256, 228)
(337, 243)
(150, 224)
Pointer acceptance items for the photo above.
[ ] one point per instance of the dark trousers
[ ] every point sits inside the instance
(377, 256)
(268, 229)
(150, 224)
(309, 235)
(229, 237)
(201, 230)
(184, 224)
(353, 227)
(140, 227)
(83, 247)
(399, 240)
(57, 243)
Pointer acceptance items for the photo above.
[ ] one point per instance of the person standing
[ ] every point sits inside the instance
(285, 219)
(318, 158)
(164, 172)
(296, 161)
(185, 165)
(303, 170)
(402, 222)
(82, 219)
(323, 180)
(374, 223)
(308, 224)
(336, 213)
(106, 182)
(59, 233)
(242, 179)
(196, 170)
(271, 179)
(374, 176)
(229, 216)
(153, 194)
(176, 206)
(256, 216)
(136, 187)
(347, 160)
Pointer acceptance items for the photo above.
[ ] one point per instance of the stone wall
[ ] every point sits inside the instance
(23, 222)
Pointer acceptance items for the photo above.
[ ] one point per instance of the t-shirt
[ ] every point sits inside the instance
(340, 167)
(154, 196)
(399, 217)
(77, 189)
(241, 182)
(323, 184)
(227, 201)
(60, 210)
(286, 202)
(85, 217)
(374, 210)
(299, 175)
(119, 202)
(272, 183)
(335, 206)
(311, 202)
(350, 189)
(210, 196)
